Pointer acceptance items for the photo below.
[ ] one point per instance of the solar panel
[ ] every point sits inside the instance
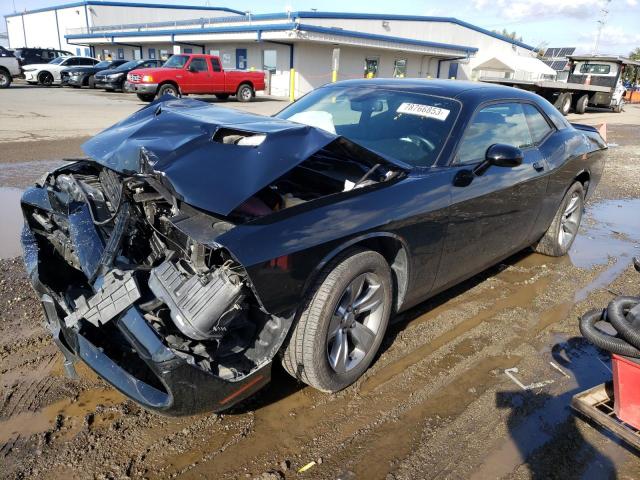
(559, 65)
(558, 52)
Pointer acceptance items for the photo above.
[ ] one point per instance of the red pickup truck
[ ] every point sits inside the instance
(193, 73)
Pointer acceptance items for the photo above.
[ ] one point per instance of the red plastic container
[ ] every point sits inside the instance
(626, 389)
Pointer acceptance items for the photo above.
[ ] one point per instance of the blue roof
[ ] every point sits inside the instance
(275, 27)
(124, 4)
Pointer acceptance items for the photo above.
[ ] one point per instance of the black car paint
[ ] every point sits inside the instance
(102, 80)
(433, 233)
(86, 72)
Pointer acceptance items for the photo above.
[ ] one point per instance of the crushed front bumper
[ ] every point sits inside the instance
(181, 388)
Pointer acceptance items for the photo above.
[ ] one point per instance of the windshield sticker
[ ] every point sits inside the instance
(427, 111)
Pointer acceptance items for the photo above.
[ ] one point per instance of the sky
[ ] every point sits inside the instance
(551, 23)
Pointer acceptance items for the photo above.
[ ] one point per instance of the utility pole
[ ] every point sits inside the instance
(604, 12)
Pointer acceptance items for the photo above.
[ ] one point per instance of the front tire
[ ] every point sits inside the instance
(5, 79)
(91, 83)
(244, 93)
(46, 79)
(343, 321)
(563, 230)
(168, 89)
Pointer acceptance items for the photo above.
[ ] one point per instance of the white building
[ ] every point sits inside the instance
(299, 49)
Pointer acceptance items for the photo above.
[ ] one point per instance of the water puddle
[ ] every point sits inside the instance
(25, 174)
(29, 423)
(610, 232)
(11, 221)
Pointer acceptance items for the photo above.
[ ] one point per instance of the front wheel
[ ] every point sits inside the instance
(342, 323)
(146, 97)
(5, 79)
(168, 89)
(244, 93)
(563, 230)
(91, 83)
(46, 79)
(619, 107)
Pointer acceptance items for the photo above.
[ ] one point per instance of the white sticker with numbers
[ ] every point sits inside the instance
(427, 111)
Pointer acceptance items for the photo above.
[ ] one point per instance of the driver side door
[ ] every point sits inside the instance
(197, 77)
(492, 217)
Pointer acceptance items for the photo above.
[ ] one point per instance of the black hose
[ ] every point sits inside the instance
(616, 315)
(601, 339)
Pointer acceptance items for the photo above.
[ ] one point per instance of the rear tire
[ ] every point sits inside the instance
(563, 103)
(343, 321)
(563, 230)
(619, 107)
(91, 83)
(5, 78)
(146, 97)
(581, 104)
(244, 93)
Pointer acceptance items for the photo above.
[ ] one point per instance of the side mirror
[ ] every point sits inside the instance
(500, 155)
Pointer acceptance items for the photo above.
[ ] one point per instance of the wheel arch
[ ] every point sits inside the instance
(246, 82)
(392, 247)
(584, 177)
(171, 82)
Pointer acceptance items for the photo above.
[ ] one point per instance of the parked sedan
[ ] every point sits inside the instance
(48, 74)
(115, 79)
(84, 76)
(196, 244)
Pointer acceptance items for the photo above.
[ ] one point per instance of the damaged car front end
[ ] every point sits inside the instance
(146, 256)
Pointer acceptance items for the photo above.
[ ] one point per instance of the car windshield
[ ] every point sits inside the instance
(177, 61)
(104, 65)
(410, 127)
(131, 64)
(57, 61)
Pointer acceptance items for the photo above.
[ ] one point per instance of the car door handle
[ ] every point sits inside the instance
(539, 166)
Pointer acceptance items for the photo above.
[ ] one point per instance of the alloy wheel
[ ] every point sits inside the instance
(570, 220)
(4, 80)
(355, 322)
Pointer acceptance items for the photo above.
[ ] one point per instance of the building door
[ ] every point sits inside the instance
(453, 70)
(241, 58)
(371, 67)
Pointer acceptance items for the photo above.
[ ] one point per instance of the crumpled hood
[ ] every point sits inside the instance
(177, 138)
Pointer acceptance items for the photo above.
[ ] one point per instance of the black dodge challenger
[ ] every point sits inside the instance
(196, 243)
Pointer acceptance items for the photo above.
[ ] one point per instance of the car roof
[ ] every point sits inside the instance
(460, 89)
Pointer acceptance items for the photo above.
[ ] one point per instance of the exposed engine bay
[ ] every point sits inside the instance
(112, 240)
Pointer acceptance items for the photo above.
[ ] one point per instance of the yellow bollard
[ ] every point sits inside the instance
(292, 85)
(334, 76)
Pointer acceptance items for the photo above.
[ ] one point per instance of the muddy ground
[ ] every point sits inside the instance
(435, 404)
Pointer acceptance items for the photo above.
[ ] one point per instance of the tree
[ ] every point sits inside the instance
(632, 74)
(508, 34)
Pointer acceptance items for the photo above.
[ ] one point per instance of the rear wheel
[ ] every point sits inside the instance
(563, 229)
(168, 89)
(343, 322)
(619, 107)
(146, 97)
(5, 78)
(581, 104)
(46, 79)
(563, 103)
(91, 83)
(244, 93)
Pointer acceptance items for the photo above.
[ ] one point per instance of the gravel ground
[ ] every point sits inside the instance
(435, 404)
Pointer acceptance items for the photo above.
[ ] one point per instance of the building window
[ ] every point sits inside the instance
(188, 50)
(78, 52)
(400, 68)
(121, 54)
(106, 55)
(371, 67)
(152, 53)
(87, 52)
(269, 60)
(164, 54)
(137, 54)
(453, 70)
(215, 53)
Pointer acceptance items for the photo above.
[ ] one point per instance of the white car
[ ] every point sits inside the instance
(49, 73)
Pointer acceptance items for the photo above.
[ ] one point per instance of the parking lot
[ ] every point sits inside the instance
(435, 404)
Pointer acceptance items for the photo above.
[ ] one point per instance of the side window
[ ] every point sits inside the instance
(71, 62)
(215, 63)
(501, 123)
(538, 125)
(198, 64)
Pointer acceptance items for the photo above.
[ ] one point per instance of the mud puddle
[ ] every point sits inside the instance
(610, 234)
